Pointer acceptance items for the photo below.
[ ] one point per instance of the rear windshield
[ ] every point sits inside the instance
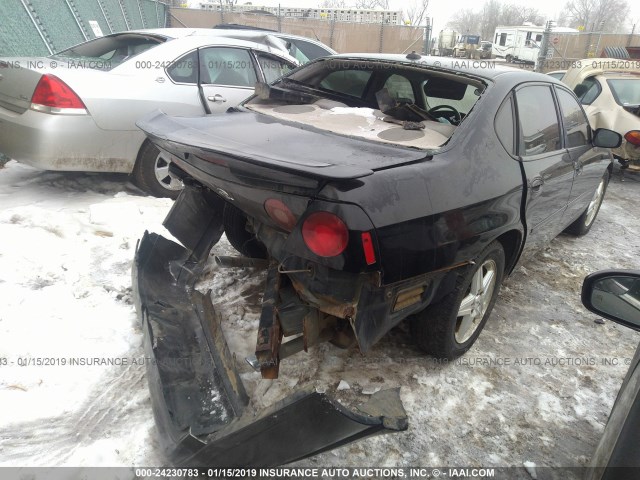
(625, 90)
(105, 53)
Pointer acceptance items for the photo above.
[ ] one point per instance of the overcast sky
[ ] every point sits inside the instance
(441, 10)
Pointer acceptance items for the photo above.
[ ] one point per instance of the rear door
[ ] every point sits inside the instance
(227, 76)
(547, 166)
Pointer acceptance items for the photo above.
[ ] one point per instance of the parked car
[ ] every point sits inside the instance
(77, 109)
(379, 187)
(557, 74)
(609, 90)
(615, 294)
(485, 49)
(301, 48)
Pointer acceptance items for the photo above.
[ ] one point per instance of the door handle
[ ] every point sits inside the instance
(536, 184)
(217, 98)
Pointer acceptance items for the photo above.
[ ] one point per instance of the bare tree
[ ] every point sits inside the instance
(490, 18)
(465, 21)
(372, 4)
(597, 15)
(492, 14)
(417, 12)
(333, 4)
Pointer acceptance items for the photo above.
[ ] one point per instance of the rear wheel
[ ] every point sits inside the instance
(151, 173)
(235, 228)
(449, 328)
(585, 221)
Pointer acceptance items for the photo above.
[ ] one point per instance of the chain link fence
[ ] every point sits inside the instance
(42, 27)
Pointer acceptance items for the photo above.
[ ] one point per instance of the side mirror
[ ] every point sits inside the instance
(614, 294)
(605, 138)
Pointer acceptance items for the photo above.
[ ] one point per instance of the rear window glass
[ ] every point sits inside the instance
(625, 90)
(105, 53)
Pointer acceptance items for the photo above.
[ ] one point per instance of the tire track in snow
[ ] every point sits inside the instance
(109, 413)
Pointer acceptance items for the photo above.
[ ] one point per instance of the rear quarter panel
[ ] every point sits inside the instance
(442, 211)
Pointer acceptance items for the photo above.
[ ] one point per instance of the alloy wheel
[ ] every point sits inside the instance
(476, 302)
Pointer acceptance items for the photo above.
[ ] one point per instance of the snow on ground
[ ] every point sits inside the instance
(536, 389)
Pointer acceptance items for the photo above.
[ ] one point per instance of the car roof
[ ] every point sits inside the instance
(249, 34)
(599, 66)
(479, 68)
(194, 37)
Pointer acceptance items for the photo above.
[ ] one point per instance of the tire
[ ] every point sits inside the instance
(508, 59)
(235, 228)
(151, 173)
(437, 328)
(585, 221)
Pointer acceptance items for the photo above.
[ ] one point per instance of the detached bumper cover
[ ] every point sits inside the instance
(199, 402)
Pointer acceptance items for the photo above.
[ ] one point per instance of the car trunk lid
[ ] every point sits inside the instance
(248, 139)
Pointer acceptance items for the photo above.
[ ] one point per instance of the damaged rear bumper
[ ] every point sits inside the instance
(199, 402)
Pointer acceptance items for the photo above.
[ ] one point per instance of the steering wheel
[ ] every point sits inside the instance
(455, 118)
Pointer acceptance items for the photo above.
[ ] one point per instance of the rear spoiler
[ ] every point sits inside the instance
(259, 140)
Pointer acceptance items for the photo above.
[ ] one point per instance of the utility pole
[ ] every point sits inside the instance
(599, 38)
(544, 47)
(427, 36)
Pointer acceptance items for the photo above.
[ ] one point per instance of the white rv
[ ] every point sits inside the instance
(521, 43)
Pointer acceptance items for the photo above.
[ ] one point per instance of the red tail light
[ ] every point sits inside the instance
(633, 137)
(325, 234)
(53, 92)
(280, 213)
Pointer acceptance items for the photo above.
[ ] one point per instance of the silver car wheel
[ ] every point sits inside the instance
(164, 177)
(475, 304)
(592, 209)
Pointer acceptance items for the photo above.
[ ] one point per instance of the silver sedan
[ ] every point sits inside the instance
(76, 110)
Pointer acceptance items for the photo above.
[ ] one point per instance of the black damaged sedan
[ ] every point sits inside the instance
(372, 188)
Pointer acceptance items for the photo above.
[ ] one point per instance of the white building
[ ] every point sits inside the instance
(338, 14)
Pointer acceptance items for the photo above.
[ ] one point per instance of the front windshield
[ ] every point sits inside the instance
(625, 90)
(105, 53)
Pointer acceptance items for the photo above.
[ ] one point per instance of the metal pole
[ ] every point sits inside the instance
(542, 54)
(279, 19)
(427, 37)
(599, 38)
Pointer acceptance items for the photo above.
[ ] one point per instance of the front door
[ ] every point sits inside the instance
(588, 162)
